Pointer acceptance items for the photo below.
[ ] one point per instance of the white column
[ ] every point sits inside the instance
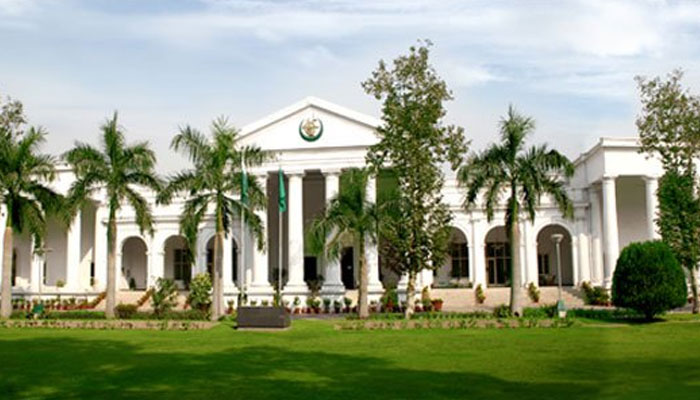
(596, 251)
(478, 248)
(530, 254)
(261, 283)
(227, 267)
(73, 254)
(101, 247)
(36, 273)
(295, 243)
(333, 283)
(651, 184)
(584, 266)
(610, 232)
(371, 251)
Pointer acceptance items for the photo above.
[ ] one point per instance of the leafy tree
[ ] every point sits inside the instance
(415, 143)
(679, 222)
(120, 170)
(525, 175)
(648, 279)
(211, 186)
(24, 192)
(348, 215)
(669, 128)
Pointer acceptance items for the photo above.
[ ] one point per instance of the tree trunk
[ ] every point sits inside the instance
(694, 290)
(410, 295)
(362, 306)
(6, 302)
(111, 298)
(516, 284)
(217, 289)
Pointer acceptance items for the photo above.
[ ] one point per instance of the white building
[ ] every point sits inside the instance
(612, 189)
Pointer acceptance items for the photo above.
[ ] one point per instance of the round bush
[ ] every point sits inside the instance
(648, 279)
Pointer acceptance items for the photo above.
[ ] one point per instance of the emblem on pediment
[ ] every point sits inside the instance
(310, 129)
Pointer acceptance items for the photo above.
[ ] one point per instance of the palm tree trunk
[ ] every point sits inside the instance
(694, 290)
(111, 298)
(516, 284)
(217, 287)
(410, 294)
(6, 303)
(362, 306)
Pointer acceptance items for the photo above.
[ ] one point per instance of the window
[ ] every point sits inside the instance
(498, 263)
(543, 264)
(459, 253)
(181, 265)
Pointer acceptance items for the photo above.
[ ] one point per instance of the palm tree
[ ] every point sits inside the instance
(348, 215)
(526, 175)
(210, 185)
(24, 175)
(120, 170)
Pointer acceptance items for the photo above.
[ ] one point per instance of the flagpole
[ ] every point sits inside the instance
(279, 242)
(241, 268)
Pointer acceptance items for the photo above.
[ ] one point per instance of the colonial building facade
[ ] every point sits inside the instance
(313, 141)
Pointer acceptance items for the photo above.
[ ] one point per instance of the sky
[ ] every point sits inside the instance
(163, 64)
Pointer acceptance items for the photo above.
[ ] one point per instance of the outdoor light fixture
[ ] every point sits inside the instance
(561, 308)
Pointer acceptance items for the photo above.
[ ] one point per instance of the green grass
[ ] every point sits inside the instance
(313, 361)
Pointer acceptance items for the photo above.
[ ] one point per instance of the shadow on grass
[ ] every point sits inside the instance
(76, 368)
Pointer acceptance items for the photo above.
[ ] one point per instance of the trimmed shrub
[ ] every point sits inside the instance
(543, 312)
(502, 311)
(595, 296)
(648, 279)
(200, 292)
(125, 311)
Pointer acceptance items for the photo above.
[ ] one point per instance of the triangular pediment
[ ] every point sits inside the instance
(311, 124)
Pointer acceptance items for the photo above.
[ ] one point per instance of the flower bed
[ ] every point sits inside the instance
(462, 323)
(108, 324)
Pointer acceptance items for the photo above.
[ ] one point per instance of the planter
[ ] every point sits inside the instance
(263, 317)
(437, 305)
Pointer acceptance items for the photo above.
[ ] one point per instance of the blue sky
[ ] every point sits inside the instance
(569, 64)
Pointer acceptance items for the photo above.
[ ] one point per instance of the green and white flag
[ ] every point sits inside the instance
(283, 193)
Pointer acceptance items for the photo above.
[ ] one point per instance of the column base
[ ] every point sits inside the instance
(299, 288)
(375, 288)
(333, 289)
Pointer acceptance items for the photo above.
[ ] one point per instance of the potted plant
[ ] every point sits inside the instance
(417, 306)
(327, 305)
(479, 294)
(296, 304)
(264, 303)
(229, 310)
(316, 306)
(373, 306)
(437, 304)
(337, 307)
(348, 302)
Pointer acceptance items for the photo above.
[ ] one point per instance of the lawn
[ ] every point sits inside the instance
(312, 360)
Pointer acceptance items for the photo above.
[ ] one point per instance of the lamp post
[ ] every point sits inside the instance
(561, 308)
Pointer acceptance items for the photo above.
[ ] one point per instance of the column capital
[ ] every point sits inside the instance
(650, 178)
(294, 172)
(331, 171)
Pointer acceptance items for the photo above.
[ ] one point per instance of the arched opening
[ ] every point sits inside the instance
(455, 271)
(498, 261)
(178, 261)
(135, 263)
(547, 258)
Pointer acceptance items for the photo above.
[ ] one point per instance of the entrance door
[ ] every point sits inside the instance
(498, 264)
(347, 266)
